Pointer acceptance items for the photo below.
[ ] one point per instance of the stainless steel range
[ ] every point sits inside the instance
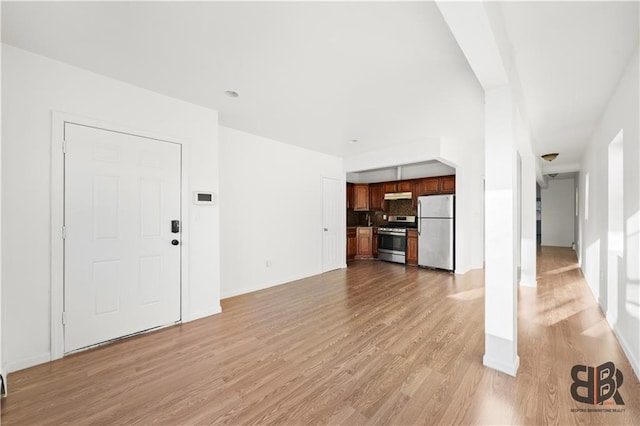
(392, 238)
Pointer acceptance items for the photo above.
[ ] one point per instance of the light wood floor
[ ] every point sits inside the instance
(376, 343)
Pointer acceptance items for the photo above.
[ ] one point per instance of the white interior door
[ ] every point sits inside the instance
(332, 256)
(122, 269)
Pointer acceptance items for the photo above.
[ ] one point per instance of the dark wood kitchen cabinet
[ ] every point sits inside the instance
(376, 197)
(448, 184)
(404, 186)
(374, 243)
(351, 243)
(363, 242)
(349, 195)
(433, 185)
(361, 197)
(427, 186)
(398, 186)
(389, 187)
(412, 247)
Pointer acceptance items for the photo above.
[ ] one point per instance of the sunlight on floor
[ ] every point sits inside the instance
(597, 330)
(476, 293)
(558, 270)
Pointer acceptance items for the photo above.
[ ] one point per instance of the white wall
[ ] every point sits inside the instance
(34, 86)
(558, 213)
(271, 208)
(622, 113)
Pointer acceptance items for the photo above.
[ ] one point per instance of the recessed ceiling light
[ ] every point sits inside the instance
(355, 140)
(231, 93)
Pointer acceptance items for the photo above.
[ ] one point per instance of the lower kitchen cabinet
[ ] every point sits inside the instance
(363, 237)
(351, 243)
(412, 247)
(374, 243)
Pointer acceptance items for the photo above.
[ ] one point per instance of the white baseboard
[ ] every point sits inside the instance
(627, 351)
(204, 314)
(21, 364)
(532, 284)
(506, 367)
(626, 348)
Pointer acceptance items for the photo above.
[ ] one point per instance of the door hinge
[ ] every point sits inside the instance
(64, 318)
(64, 232)
(64, 147)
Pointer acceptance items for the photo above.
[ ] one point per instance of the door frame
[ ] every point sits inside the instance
(342, 236)
(58, 120)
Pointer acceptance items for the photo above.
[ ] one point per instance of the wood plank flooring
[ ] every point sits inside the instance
(376, 343)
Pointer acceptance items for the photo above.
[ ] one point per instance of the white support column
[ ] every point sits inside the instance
(529, 245)
(501, 245)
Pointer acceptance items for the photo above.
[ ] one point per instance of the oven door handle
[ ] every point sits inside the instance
(394, 234)
(419, 215)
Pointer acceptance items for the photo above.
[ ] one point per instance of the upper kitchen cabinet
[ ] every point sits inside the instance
(399, 186)
(360, 197)
(389, 187)
(427, 186)
(376, 196)
(349, 195)
(435, 185)
(404, 186)
(448, 184)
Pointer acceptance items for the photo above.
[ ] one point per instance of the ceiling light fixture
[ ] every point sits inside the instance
(553, 175)
(231, 93)
(355, 140)
(550, 157)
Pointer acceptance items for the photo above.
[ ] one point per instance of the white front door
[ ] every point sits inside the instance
(122, 269)
(332, 256)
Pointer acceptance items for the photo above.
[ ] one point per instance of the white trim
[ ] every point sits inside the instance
(635, 365)
(531, 284)
(58, 119)
(342, 219)
(627, 351)
(510, 368)
(57, 245)
(204, 314)
(43, 358)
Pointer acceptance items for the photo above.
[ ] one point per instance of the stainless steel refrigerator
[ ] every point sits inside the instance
(436, 231)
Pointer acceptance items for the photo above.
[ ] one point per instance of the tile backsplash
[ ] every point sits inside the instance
(400, 208)
(394, 207)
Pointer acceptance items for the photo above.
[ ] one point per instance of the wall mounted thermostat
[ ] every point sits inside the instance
(204, 198)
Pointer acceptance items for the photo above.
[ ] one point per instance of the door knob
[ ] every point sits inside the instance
(175, 242)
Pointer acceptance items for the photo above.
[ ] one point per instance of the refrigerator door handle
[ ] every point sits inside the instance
(419, 215)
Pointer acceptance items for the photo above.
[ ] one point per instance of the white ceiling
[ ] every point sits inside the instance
(320, 74)
(315, 75)
(569, 56)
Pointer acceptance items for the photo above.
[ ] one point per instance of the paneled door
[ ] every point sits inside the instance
(121, 246)
(332, 256)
